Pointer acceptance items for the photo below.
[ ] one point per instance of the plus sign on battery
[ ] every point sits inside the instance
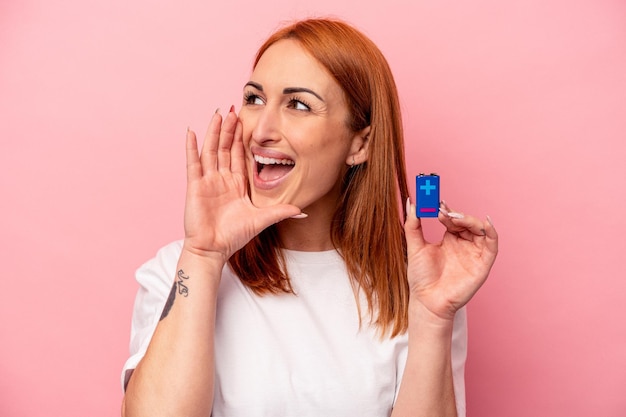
(428, 187)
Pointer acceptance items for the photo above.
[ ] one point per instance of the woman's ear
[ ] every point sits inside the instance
(359, 149)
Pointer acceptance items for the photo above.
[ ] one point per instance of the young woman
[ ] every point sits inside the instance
(303, 287)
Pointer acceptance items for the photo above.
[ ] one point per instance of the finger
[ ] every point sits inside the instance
(238, 162)
(458, 222)
(194, 167)
(492, 238)
(467, 235)
(227, 134)
(446, 215)
(470, 224)
(268, 216)
(208, 156)
(413, 228)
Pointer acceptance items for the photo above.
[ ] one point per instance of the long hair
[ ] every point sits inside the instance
(367, 226)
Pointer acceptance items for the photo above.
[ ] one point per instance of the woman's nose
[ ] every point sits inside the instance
(266, 124)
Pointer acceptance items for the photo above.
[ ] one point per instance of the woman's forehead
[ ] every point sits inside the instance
(288, 63)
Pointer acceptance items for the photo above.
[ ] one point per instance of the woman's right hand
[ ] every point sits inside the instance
(219, 216)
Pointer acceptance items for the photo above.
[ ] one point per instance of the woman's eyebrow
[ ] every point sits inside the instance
(255, 85)
(291, 90)
(288, 90)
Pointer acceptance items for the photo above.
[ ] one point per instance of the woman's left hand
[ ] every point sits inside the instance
(443, 277)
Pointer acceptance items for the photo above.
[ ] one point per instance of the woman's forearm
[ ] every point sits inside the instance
(427, 386)
(175, 377)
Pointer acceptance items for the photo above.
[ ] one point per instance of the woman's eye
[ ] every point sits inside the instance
(253, 99)
(299, 105)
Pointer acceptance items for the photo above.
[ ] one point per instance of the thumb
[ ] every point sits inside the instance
(268, 216)
(413, 229)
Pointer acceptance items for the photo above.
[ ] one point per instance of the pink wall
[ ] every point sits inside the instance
(520, 106)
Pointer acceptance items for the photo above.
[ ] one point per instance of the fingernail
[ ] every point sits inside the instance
(490, 221)
(444, 211)
(408, 207)
(232, 108)
(187, 129)
(455, 215)
(217, 110)
(300, 216)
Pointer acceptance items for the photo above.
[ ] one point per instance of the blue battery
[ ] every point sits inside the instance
(427, 192)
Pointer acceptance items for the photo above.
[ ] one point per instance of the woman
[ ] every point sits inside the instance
(301, 287)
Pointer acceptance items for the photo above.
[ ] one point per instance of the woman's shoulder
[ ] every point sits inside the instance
(172, 249)
(163, 264)
(167, 252)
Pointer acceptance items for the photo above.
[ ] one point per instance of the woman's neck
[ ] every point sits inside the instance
(311, 234)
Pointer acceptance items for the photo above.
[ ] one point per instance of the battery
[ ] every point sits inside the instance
(427, 192)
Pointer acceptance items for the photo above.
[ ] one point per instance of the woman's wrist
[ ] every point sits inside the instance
(201, 264)
(204, 256)
(425, 320)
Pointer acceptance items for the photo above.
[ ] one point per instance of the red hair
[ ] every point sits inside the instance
(367, 229)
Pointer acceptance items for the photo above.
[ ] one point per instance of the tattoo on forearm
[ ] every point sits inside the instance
(169, 303)
(182, 290)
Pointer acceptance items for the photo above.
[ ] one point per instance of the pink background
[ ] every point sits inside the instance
(520, 106)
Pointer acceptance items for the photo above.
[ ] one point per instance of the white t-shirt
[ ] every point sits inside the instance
(292, 355)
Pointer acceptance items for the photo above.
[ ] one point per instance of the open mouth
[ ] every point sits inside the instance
(270, 169)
